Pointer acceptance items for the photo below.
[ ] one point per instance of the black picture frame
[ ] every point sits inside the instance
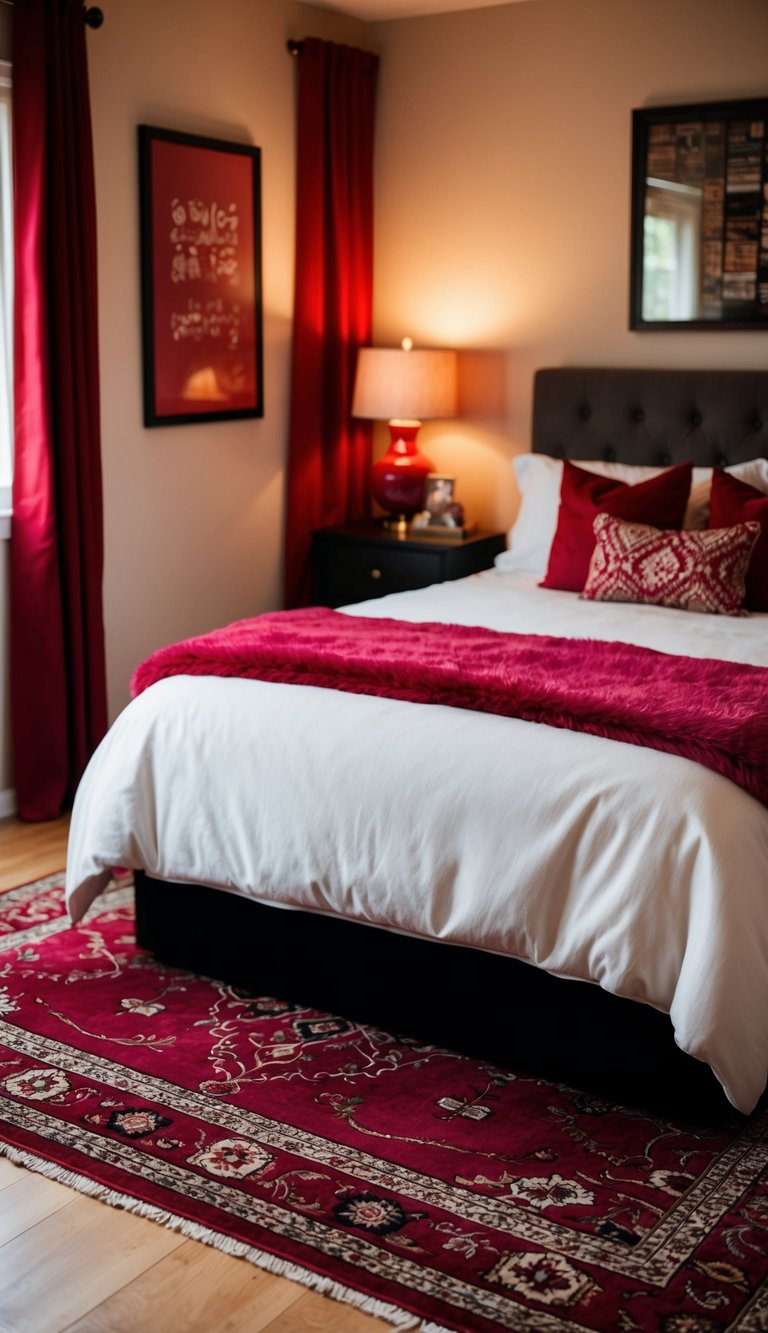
(201, 281)
(699, 221)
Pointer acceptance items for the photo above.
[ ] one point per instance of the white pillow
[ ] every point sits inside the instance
(530, 537)
(539, 478)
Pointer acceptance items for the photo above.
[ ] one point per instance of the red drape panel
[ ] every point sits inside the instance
(329, 453)
(58, 692)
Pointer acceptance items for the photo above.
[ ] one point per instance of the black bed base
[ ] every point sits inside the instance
(493, 1008)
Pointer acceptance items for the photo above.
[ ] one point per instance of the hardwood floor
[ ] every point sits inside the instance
(29, 851)
(68, 1262)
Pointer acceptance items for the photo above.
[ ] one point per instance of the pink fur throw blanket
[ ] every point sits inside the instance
(713, 712)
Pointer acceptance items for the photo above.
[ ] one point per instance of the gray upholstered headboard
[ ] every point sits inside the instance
(653, 418)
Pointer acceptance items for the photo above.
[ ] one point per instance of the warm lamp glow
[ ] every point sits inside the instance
(411, 385)
(403, 387)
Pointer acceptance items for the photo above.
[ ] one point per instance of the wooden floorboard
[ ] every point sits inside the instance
(29, 1199)
(196, 1288)
(30, 851)
(71, 1264)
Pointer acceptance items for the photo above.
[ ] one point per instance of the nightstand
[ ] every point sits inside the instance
(357, 561)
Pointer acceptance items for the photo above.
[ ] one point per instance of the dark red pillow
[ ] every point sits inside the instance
(733, 501)
(660, 502)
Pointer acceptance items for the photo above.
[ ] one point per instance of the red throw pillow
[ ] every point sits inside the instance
(660, 501)
(694, 571)
(733, 501)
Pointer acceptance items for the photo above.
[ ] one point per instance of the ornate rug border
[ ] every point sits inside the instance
(323, 1286)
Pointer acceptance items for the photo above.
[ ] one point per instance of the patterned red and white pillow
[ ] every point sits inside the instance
(693, 571)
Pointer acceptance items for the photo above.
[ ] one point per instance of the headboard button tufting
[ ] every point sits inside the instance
(638, 415)
(665, 459)
(609, 454)
(689, 414)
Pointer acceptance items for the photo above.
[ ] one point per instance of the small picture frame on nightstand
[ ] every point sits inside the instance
(438, 498)
(441, 519)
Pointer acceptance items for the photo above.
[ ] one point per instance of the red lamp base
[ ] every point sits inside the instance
(398, 477)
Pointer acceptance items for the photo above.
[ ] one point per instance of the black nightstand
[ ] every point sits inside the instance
(356, 561)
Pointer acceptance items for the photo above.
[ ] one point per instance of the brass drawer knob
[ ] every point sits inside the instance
(375, 573)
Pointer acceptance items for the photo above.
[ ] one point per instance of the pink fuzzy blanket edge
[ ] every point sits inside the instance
(704, 709)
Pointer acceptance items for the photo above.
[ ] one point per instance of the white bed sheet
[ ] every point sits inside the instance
(594, 859)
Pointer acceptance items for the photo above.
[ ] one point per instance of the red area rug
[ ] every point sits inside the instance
(423, 1186)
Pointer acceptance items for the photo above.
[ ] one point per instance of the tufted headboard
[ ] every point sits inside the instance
(652, 418)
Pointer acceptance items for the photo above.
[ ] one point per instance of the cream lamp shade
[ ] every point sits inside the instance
(408, 385)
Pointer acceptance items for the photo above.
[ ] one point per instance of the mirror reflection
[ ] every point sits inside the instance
(700, 216)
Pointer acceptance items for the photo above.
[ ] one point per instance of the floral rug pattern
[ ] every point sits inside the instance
(442, 1189)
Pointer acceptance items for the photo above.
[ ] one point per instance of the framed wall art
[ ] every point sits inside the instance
(200, 219)
(700, 217)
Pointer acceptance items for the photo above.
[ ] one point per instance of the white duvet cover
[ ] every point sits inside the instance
(591, 858)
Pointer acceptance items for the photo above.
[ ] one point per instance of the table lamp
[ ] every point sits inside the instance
(403, 386)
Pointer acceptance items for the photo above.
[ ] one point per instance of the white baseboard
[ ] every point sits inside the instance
(7, 803)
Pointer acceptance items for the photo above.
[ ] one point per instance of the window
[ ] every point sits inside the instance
(6, 292)
(672, 227)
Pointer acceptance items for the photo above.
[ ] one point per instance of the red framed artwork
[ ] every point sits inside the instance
(200, 278)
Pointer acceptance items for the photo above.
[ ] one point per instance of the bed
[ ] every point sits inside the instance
(559, 901)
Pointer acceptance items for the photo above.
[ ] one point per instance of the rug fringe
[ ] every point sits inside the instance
(324, 1286)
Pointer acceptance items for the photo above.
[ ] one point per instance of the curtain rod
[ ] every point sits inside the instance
(94, 16)
(294, 48)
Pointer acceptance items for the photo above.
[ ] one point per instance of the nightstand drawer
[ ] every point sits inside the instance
(356, 562)
(372, 572)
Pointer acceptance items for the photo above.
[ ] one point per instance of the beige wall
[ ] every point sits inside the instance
(193, 514)
(503, 179)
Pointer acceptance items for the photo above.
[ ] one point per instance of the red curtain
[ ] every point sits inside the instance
(329, 453)
(58, 691)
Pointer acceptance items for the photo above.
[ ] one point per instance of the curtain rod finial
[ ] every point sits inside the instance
(94, 17)
(294, 48)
